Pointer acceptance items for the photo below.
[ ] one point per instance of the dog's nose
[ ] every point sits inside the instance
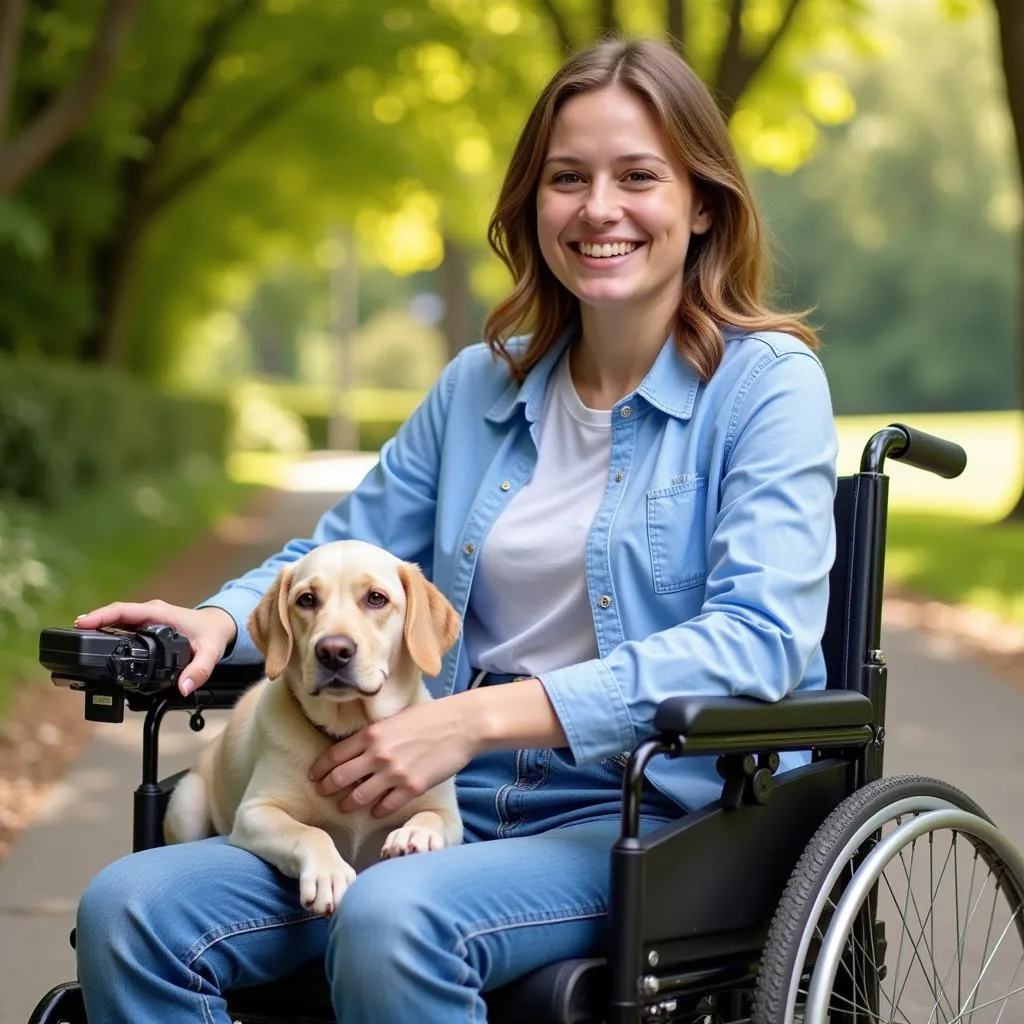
(335, 652)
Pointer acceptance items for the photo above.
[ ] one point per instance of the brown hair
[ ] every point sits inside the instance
(726, 268)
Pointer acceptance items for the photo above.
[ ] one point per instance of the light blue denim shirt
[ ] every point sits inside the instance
(707, 562)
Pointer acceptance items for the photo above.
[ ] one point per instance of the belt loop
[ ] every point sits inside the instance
(477, 679)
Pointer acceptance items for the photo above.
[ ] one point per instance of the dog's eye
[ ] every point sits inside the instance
(306, 600)
(375, 599)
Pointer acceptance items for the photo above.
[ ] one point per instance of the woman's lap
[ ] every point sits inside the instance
(206, 917)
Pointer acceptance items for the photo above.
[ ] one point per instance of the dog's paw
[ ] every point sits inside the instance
(411, 839)
(323, 882)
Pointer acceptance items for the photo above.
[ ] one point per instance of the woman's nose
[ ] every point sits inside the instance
(600, 205)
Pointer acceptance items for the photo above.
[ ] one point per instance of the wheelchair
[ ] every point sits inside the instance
(829, 893)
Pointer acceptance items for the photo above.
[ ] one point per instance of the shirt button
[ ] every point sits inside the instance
(604, 601)
(469, 548)
(506, 485)
(626, 411)
(619, 476)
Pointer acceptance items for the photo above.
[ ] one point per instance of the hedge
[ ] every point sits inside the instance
(67, 428)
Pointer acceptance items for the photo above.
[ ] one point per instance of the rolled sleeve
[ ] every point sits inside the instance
(591, 709)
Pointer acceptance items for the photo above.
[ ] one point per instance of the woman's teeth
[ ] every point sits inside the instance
(601, 251)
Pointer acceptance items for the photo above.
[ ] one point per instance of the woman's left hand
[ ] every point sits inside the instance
(390, 762)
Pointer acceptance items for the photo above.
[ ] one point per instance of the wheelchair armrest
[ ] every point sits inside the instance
(813, 709)
(739, 725)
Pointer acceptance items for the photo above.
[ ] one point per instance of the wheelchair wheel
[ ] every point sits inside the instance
(907, 905)
(61, 1005)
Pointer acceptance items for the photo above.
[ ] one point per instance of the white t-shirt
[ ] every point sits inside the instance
(529, 610)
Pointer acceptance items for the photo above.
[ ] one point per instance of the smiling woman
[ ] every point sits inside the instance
(623, 167)
(633, 501)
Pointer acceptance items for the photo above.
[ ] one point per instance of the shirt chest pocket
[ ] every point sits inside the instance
(676, 535)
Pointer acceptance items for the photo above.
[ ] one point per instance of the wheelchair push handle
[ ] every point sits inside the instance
(916, 448)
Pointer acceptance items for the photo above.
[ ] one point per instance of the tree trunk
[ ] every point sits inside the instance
(114, 263)
(1011, 39)
(458, 302)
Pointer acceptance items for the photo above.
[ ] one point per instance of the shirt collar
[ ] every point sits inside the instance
(530, 394)
(671, 384)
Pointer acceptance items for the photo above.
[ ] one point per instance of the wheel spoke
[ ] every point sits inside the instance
(988, 962)
(936, 994)
(1007, 996)
(957, 953)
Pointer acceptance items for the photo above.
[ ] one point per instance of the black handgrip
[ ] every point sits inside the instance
(926, 451)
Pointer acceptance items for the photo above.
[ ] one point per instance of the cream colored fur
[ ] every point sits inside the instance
(251, 782)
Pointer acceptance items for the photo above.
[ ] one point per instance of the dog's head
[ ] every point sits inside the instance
(349, 620)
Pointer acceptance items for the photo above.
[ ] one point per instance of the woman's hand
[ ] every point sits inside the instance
(390, 762)
(209, 630)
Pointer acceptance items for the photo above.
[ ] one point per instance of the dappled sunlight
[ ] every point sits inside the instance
(407, 239)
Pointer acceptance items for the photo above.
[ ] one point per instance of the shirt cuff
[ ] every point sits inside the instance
(239, 603)
(591, 710)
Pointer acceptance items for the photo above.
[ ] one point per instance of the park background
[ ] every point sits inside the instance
(235, 231)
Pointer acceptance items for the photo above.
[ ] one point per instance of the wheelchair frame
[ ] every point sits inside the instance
(683, 942)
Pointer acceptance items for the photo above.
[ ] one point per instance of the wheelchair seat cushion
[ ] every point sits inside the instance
(569, 992)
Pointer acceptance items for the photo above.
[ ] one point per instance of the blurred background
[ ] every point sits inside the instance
(234, 232)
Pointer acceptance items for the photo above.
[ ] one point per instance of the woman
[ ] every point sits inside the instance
(631, 501)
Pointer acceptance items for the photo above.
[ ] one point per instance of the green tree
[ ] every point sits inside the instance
(47, 119)
(900, 232)
(239, 130)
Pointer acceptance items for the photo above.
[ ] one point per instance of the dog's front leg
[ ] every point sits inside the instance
(299, 851)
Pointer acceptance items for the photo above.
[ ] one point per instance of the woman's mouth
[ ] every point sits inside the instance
(605, 250)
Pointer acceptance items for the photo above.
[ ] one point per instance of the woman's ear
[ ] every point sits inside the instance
(271, 628)
(702, 218)
(431, 624)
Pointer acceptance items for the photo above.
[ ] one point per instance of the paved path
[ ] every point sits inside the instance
(947, 717)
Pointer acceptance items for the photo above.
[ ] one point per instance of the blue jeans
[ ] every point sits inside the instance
(163, 933)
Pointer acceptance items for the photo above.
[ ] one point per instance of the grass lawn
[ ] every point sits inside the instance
(946, 539)
(103, 545)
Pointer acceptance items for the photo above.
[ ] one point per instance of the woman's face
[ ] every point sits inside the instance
(615, 209)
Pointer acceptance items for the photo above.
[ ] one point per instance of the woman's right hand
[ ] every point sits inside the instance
(209, 630)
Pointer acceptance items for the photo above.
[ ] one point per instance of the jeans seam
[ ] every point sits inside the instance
(461, 949)
(206, 942)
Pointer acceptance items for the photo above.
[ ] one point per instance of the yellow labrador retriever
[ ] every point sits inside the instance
(346, 632)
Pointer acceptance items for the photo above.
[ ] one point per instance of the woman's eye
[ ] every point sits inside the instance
(640, 177)
(375, 599)
(567, 178)
(306, 600)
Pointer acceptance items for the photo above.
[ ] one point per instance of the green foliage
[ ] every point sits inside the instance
(98, 547)
(65, 429)
(901, 232)
(395, 119)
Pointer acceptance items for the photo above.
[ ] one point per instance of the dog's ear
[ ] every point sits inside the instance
(431, 624)
(270, 626)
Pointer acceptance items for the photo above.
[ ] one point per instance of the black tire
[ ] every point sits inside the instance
(61, 1005)
(792, 916)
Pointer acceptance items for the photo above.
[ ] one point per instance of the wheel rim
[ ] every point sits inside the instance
(947, 888)
(823, 904)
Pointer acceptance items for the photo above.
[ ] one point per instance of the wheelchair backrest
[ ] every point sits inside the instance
(853, 627)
